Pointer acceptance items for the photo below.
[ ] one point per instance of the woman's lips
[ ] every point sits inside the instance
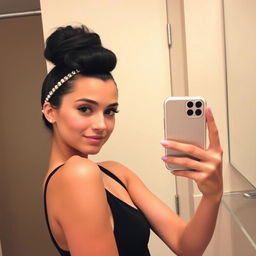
(94, 139)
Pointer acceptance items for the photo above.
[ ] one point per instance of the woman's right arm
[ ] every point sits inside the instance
(83, 211)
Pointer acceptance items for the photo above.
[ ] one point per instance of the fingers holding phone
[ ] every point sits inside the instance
(185, 130)
(185, 123)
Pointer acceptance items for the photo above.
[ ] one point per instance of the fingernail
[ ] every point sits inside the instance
(164, 158)
(210, 110)
(164, 142)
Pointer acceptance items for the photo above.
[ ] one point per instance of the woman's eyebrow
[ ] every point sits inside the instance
(95, 102)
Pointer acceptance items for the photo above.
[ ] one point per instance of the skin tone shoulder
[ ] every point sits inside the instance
(82, 124)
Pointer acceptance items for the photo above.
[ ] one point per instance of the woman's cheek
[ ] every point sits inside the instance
(111, 126)
(74, 122)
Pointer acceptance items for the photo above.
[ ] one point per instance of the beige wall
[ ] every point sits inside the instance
(24, 147)
(136, 32)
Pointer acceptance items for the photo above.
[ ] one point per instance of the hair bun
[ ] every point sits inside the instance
(79, 48)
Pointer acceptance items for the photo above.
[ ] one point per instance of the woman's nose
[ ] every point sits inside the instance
(99, 122)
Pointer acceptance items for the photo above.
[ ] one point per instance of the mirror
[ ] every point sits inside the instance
(240, 33)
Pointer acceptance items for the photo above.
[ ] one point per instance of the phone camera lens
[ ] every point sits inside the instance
(190, 112)
(198, 112)
(190, 104)
(198, 104)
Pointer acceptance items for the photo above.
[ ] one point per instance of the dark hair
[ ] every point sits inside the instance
(70, 48)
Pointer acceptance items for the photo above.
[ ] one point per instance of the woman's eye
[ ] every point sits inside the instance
(84, 109)
(111, 112)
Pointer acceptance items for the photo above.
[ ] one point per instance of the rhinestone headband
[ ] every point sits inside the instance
(60, 83)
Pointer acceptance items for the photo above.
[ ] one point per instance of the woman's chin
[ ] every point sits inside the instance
(89, 150)
(93, 151)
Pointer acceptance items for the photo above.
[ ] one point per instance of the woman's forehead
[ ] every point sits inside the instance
(94, 88)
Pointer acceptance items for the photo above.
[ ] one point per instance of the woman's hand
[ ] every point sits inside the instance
(207, 170)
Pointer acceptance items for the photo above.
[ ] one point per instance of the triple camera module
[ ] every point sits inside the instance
(194, 108)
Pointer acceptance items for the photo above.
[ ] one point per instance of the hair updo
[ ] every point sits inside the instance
(70, 48)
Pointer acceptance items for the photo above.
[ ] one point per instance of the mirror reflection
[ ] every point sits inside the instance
(240, 36)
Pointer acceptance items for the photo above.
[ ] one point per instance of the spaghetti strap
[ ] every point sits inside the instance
(112, 175)
(61, 251)
(50, 175)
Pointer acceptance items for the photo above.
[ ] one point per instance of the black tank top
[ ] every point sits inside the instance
(131, 228)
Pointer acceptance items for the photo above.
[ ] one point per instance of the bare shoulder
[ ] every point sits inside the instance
(77, 167)
(77, 171)
(78, 182)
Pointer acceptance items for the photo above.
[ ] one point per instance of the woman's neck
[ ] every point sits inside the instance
(60, 153)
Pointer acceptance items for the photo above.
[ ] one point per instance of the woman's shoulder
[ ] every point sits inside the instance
(76, 170)
(79, 165)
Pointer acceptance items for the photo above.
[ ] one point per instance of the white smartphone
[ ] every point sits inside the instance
(184, 121)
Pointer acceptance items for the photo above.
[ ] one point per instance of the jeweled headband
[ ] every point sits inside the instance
(60, 83)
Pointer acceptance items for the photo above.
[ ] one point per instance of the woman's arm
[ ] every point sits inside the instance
(207, 173)
(200, 228)
(82, 209)
(193, 237)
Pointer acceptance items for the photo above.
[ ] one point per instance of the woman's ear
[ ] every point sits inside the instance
(49, 112)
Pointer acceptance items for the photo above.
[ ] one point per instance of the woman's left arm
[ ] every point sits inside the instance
(192, 238)
(207, 173)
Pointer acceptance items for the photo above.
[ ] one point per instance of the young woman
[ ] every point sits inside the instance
(103, 208)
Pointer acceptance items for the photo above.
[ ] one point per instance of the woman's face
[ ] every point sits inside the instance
(86, 117)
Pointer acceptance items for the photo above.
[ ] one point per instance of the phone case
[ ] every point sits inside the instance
(184, 122)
